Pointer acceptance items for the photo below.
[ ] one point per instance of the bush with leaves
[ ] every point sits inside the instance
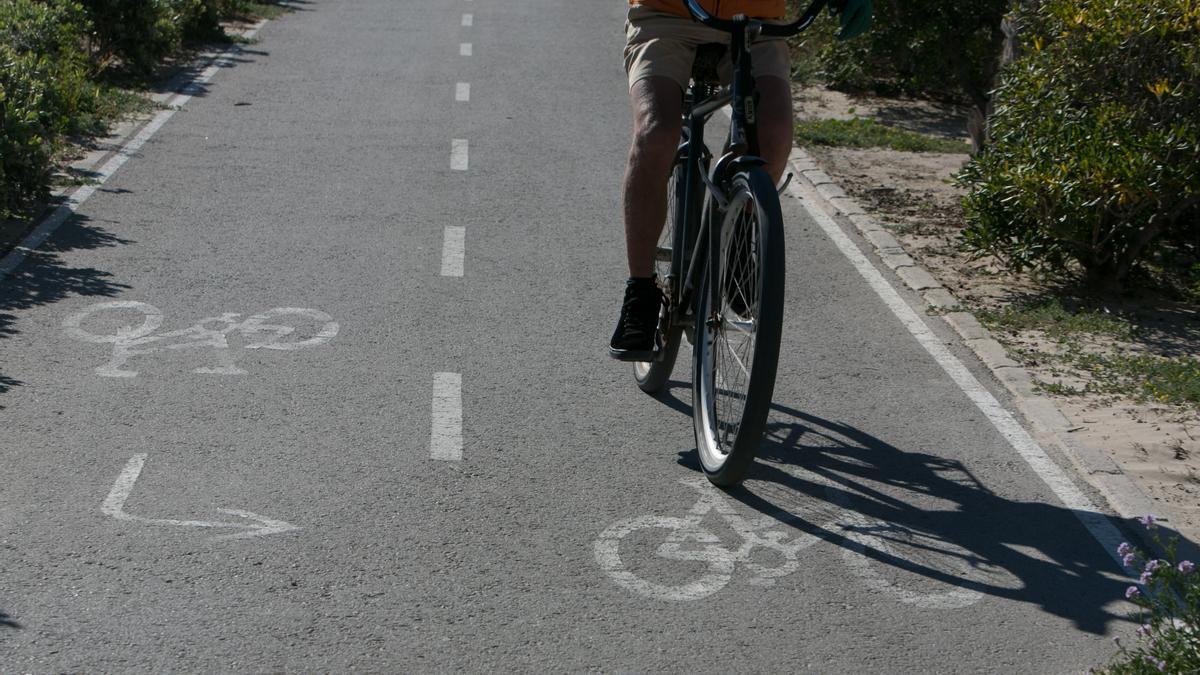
(139, 32)
(934, 48)
(1095, 141)
(43, 91)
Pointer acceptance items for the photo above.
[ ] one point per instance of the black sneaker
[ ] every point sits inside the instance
(637, 330)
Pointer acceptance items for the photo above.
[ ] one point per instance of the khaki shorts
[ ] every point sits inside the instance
(661, 44)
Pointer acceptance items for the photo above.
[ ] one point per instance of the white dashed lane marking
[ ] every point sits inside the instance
(458, 154)
(454, 249)
(445, 437)
(445, 440)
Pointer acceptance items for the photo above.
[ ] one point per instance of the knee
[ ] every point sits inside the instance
(656, 138)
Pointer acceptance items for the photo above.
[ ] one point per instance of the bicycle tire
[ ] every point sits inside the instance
(731, 398)
(652, 376)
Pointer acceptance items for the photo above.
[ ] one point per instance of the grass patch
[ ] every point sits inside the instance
(1056, 320)
(116, 103)
(1145, 377)
(253, 10)
(265, 10)
(1137, 377)
(1059, 389)
(867, 133)
(1140, 377)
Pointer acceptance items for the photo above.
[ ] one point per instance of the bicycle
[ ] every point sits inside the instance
(720, 260)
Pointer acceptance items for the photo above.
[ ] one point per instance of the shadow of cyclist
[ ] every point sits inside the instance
(915, 513)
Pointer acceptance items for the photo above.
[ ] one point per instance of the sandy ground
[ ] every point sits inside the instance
(913, 195)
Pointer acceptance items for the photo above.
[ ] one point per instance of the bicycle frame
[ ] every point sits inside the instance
(693, 229)
(698, 231)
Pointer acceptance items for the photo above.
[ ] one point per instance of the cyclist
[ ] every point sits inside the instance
(660, 45)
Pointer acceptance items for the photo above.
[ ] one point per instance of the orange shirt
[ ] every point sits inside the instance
(723, 9)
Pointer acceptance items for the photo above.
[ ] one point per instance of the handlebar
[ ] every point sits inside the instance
(768, 29)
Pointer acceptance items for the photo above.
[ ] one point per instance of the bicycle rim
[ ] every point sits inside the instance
(652, 376)
(737, 343)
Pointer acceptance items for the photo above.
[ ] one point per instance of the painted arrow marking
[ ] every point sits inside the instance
(114, 505)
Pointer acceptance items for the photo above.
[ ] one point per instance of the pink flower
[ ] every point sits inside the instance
(1132, 592)
(1147, 521)
(1129, 560)
(1124, 549)
(1187, 567)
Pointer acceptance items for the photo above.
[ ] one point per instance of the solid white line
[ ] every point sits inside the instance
(58, 216)
(462, 92)
(445, 440)
(454, 249)
(468, 20)
(458, 154)
(1033, 454)
(464, 49)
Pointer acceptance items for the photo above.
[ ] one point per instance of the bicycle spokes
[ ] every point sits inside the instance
(733, 342)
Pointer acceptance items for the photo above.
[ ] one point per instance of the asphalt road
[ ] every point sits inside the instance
(300, 441)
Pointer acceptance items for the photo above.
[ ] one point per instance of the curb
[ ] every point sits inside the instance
(123, 131)
(122, 142)
(1046, 422)
(114, 150)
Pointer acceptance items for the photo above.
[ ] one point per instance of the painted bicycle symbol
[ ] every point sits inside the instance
(687, 540)
(268, 330)
(769, 549)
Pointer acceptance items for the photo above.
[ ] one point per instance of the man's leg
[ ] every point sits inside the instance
(657, 107)
(774, 123)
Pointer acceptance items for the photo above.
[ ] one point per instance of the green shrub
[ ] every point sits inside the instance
(48, 49)
(54, 28)
(139, 32)
(1095, 141)
(201, 19)
(933, 48)
(43, 91)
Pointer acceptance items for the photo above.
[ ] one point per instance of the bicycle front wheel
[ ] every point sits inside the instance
(738, 328)
(651, 376)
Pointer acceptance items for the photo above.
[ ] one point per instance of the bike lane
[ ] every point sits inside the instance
(893, 529)
(888, 528)
(313, 175)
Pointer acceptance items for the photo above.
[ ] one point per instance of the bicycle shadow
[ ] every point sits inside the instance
(924, 515)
